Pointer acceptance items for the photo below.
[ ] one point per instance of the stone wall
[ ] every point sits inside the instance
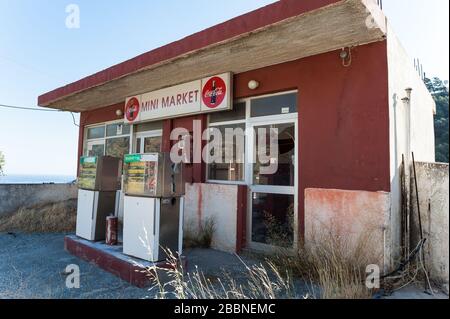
(15, 196)
(433, 190)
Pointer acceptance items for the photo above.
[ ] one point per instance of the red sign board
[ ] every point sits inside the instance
(132, 109)
(214, 92)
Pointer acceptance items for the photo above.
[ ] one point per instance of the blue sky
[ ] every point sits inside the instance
(38, 53)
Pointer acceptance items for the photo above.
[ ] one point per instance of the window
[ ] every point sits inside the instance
(95, 149)
(148, 141)
(118, 147)
(243, 112)
(108, 139)
(284, 175)
(96, 132)
(231, 126)
(274, 105)
(117, 129)
(147, 127)
(231, 166)
(152, 144)
(273, 219)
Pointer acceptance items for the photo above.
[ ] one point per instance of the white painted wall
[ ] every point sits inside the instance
(219, 202)
(402, 75)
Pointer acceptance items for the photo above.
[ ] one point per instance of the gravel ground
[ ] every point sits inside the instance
(33, 265)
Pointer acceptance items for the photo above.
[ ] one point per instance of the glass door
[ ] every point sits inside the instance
(272, 217)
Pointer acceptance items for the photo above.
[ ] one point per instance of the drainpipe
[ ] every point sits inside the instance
(407, 169)
(407, 102)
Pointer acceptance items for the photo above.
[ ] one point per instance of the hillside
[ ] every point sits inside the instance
(439, 90)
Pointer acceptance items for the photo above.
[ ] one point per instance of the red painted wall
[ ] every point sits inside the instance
(193, 173)
(343, 119)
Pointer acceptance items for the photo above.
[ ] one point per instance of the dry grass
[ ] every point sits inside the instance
(261, 282)
(201, 238)
(49, 218)
(337, 266)
(413, 272)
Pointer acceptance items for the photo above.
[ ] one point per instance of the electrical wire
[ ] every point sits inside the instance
(35, 109)
(27, 108)
(349, 58)
(73, 118)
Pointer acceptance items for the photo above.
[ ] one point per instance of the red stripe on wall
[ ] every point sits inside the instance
(241, 227)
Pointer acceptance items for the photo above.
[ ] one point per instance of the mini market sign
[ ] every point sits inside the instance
(201, 96)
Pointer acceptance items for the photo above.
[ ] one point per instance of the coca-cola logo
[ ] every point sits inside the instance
(132, 109)
(214, 92)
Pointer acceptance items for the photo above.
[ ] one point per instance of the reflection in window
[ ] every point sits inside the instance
(284, 176)
(96, 132)
(138, 145)
(117, 129)
(117, 147)
(152, 144)
(274, 105)
(232, 166)
(273, 219)
(97, 150)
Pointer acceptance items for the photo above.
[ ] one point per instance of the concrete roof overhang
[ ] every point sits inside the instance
(284, 31)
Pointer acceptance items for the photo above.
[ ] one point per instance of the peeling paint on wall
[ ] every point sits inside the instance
(351, 217)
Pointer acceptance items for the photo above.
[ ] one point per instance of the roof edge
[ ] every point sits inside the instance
(243, 24)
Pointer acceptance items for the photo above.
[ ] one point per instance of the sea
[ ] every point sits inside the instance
(36, 179)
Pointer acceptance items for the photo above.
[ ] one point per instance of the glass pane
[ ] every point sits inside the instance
(238, 113)
(96, 150)
(138, 145)
(150, 126)
(273, 219)
(96, 132)
(117, 129)
(274, 105)
(152, 144)
(233, 155)
(117, 147)
(283, 161)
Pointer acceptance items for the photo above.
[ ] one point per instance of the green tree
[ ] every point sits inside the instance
(439, 90)
(2, 163)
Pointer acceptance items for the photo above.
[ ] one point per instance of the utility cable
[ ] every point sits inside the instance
(35, 109)
(27, 108)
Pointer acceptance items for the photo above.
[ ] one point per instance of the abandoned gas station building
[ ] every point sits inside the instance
(329, 74)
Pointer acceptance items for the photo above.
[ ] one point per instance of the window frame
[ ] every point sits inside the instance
(104, 138)
(145, 134)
